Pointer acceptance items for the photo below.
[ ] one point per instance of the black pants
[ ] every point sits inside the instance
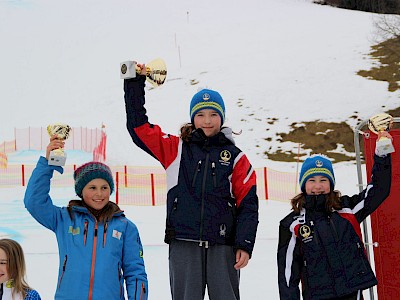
(193, 267)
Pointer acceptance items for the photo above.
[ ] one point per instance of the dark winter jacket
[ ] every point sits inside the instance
(211, 185)
(325, 250)
(95, 258)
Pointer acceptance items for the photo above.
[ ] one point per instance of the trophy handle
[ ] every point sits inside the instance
(156, 72)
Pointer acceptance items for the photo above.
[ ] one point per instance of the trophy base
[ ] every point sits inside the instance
(384, 147)
(57, 160)
(128, 70)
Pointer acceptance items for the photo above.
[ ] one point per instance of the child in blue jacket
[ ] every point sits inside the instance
(99, 248)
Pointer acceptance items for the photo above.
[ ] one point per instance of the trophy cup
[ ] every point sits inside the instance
(58, 156)
(382, 122)
(156, 71)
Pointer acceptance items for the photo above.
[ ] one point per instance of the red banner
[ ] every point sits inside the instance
(385, 223)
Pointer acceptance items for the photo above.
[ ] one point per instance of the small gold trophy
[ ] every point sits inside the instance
(58, 156)
(382, 122)
(156, 71)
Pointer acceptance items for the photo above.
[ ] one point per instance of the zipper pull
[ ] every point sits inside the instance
(105, 234)
(85, 231)
(198, 170)
(213, 174)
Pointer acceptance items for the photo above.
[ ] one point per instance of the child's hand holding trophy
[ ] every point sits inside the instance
(155, 71)
(380, 124)
(58, 134)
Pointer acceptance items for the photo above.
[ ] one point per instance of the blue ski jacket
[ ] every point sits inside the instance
(95, 258)
(325, 250)
(211, 185)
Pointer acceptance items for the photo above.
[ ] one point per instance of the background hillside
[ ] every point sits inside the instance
(275, 62)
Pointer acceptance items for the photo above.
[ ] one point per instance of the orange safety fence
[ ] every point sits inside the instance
(99, 153)
(8, 147)
(80, 138)
(88, 140)
(3, 160)
(147, 185)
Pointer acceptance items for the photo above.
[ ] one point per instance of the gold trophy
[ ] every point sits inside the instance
(156, 71)
(382, 122)
(58, 156)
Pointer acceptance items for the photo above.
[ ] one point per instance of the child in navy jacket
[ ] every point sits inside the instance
(212, 205)
(320, 242)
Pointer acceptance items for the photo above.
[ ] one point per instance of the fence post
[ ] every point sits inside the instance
(153, 198)
(117, 188)
(23, 174)
(265, 183)
(125, 176)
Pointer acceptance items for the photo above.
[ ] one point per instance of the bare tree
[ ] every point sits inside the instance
(386, 26)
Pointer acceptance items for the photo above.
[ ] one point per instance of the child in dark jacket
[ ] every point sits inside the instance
(12, 273)
(99, 248)
(212, 206)
(320, 242)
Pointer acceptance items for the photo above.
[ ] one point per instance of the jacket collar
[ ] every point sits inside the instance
(224, 137)
(316, 202)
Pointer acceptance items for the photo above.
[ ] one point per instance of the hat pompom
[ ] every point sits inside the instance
(316, 165)
(207, 99)
(89, 171)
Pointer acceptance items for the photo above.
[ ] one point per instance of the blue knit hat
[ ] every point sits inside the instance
(89, 171)
(316, 165)
(207, 99)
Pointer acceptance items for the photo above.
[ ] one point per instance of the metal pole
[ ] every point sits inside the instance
(357, 131)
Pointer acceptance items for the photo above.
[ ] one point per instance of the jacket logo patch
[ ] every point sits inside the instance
(225, 157)
(222, 230)
(74, 231)
(116, 234)
(305, 231)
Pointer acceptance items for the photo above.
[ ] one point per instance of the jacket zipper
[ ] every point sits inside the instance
(198, 170)
(119, 280)
(332, 225)
(105, 234)
(85, 231)
(63, 270)
(203, 191)
(96, 226)
(314, 229)
(143, 291)
(213, 174)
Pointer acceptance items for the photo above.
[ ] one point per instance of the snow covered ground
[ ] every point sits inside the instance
(286, 59)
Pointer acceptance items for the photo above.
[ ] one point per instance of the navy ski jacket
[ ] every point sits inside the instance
(211, 185)
(325, 250)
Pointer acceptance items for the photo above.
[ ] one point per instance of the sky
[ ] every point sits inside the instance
(282, 60)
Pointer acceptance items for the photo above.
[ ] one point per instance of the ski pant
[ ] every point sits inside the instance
(193, 267)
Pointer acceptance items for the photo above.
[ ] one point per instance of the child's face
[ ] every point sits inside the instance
(317, 185)
(3, 267)
(208, 120)
(96, 193)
